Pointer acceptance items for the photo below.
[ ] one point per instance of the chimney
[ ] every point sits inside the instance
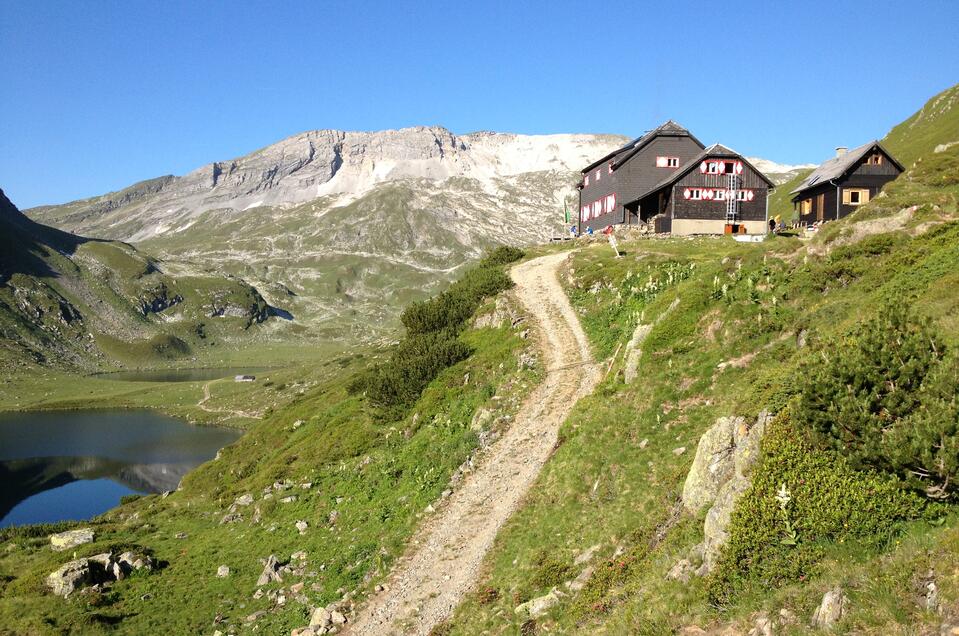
(840, 151)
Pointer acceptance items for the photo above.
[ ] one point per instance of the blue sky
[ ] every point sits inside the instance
(98, 95)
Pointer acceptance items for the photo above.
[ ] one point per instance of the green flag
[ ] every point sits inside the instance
(565, 211)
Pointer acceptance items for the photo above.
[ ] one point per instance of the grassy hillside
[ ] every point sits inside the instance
(73, 302)
(359, 475)
(743, 327)
(936, 123)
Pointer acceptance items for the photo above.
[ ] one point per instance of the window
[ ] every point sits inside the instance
(586, 180)
(855, 196)
(805, 206)
(720, 195)
(696, 194)
(609, 203)
(712, 167)
(597, 208)
(599, 173)
(667, 162)
(584, 213)
(875, 159)
(729, 167)
(610, 167)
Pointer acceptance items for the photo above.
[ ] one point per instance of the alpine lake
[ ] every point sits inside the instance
(74, 465)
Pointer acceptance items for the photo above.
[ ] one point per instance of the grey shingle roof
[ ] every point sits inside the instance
(622, 155)
(837, 166)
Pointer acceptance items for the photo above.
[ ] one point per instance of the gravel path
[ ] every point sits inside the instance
(445, 555)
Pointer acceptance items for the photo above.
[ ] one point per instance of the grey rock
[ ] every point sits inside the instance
(223, 571)
(539, 606)
(834, 605)
(713, 464)
(244, 500)
(71, 538)
(271, 572)
(682, 571)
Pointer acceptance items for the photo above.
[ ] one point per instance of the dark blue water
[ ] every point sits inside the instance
(62, 465)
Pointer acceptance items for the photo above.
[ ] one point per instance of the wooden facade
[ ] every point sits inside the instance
(839, 186)
(669, 180)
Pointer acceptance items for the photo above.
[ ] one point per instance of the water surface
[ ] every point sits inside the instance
(179, 375)
(60, 465)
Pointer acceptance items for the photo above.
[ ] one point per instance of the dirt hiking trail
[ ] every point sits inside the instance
(445, 555)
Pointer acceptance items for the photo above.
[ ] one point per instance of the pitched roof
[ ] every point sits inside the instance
(716, 150)
(837, 166)
(622, 155)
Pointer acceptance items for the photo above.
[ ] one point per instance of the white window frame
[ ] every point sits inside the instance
(712, 167)
(672, 162)
(695, 194)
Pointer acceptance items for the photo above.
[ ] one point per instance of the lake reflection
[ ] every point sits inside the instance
(77, 464)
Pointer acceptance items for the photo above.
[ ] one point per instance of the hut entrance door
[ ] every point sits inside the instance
(820, 207)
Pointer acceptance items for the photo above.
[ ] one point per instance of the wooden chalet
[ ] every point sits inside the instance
(668, 179)
(839, 186)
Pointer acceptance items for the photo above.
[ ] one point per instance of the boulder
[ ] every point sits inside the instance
(244, 500)
(71, 539)
(70, 577)
(337, 618)
(321, 617)
(538, 606)
(717, 522)
(271, 572)
(833, 607)
(712, 466)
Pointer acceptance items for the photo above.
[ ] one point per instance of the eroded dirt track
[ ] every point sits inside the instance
(445, 555)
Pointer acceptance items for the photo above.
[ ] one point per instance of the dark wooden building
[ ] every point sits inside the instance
(667, 178)
(839, 186)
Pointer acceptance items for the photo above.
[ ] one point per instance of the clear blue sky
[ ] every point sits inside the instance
(98, 95)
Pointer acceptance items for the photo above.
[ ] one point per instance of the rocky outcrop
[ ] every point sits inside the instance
(96, 570)
(718, 477)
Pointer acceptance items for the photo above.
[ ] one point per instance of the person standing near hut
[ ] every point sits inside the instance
(612, 239)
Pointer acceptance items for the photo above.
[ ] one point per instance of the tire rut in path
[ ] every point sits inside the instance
(445, 555)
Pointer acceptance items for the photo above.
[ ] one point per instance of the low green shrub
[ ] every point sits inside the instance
(885, 398)
(431, 343)
(803, 499)
(551, 571)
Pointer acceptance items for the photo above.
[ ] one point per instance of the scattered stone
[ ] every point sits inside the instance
(302, 526)
(180, 535)
(931, 597)
(538, 606)
(786, 617)
(271, 572)
(223, 571)
(833, 607)
(297, 424)
(679, 451)
(446, 493)
(681, 571)
(258, 594)
(587, 555)
(296, 588)
(255, 616)
(71, 539)
(244, 500)
(306, 485)
(580, 581)
(299, 555)
(95, 570)
(146, 597)
(429, 509)
(289, 499)
(231, 517)
(337, 618)
(379, 588)
(644, 443)
(762, 627)
(304, 631)
(333, 516)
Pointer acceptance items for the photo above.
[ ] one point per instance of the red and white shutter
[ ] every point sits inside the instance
(702, 168)
(739, 167)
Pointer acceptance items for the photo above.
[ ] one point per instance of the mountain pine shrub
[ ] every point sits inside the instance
(856, 392)
(432, 340)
